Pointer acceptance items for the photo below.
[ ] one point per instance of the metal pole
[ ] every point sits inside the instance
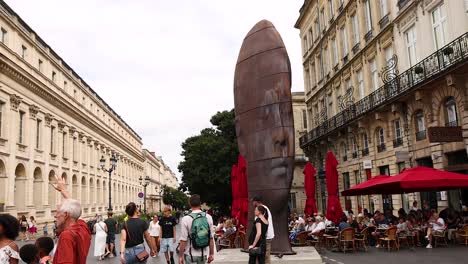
(110, 192)
(144, 198)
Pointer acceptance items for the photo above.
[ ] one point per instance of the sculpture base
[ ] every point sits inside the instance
(305, 255)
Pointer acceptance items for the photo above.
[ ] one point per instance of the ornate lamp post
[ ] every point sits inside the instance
(160, 191)
(144, 182)
(113, 165)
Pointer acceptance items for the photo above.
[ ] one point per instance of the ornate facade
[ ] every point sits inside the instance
(382, 80)
(53, 124)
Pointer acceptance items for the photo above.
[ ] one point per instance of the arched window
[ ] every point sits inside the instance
(451, 112)
(380, 140)
(420, 125)
(355, 148)
(365, 145)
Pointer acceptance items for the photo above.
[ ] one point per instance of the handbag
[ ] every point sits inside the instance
(143, 255)
(255, 251)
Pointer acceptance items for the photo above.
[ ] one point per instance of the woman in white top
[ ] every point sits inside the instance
(100, 228)
(153, 230)
(9, 228)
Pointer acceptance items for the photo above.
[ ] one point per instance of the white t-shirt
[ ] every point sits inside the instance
(270, 231)
(437, 227)
(153, 229)
(320, 226)
(186, 226)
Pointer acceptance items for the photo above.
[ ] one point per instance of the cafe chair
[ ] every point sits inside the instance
(362, 238)
(228, 242)
(390, 237)
(346, 237)
(440, 237)
(317, 243)
(301, 239)
(463, 234)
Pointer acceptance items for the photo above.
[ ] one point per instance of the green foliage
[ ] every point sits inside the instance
(174, 197)
(208, 160)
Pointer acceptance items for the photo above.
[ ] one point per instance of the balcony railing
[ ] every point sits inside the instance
(354, 154)
(381, 147)
(454, 53)
(384, 21)
(452, 124)
(368, 36)
(397, 142)
(421, 135)
(402, 3)
(356, 48)
(365, 152)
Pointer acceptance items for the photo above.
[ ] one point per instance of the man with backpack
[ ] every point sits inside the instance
(196, 235)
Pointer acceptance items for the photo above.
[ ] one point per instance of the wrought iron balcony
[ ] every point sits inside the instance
(384, 21)
(354, 154)
(368, 36)
(421, 135)
(452, 124)
(397, 142)
(365, 152)
(381, 147)
(453, 54)
(356, 48)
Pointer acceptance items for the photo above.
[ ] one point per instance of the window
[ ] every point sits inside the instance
(354, 21)
(357, 177)
(24, 51)
(3, 37)
(365, 141)
(331, 111)
(39, 65)
(346, 182)
(52, 136)
(368, 16)
(335, 52)
(360, 84)
(321, 66)
(330, 6)
(54, 75)
(439, 26)
(38, 133)
(317, 28)
(381, 137)
(374, 74)
(344, 41)
(388, 56)
(2, 104)
(312, 75)
(383, 7)
(21, 123)
(397, 124)
(325, 61)
(74, 149)
(311, 38)
(344, 147)
(355, 147)
(304, 118)
(451, 112)
(410, 39)
(304, 43)
(322, 19)
(64, 145)
(420, 126)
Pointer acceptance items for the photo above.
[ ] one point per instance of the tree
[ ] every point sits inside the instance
(208, 159)
(174, 197)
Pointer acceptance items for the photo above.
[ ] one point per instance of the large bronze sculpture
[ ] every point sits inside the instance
(264, 124)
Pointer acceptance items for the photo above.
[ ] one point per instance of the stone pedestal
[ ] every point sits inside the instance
(305, 255)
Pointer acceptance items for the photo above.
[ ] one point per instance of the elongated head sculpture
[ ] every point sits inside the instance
(264, 124)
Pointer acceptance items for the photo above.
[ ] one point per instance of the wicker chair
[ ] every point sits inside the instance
(346, 237)
(301, 239)
(390, 236)
(403, 239)
(318, 244)
(241, 239)
(463, 234)
(362, 238)
(440, 237)
(228, 242)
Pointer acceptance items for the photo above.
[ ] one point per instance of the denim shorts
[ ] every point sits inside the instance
(130, 254)
(167, 245)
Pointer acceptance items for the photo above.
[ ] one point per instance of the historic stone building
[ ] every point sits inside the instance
(386, 88)
(297, 198)
(53, 124)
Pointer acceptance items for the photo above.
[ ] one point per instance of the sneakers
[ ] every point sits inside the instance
(426, 237)
(429, 246)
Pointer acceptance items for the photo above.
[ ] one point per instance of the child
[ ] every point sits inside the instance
(46, 229)
(45, 246)
(29, 254)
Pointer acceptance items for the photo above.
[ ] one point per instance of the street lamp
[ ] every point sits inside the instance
(144, 182)
(160, 192)
(113, 165)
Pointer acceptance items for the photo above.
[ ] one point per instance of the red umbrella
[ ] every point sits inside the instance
(309, 185)
(234, 189)
(364, 188)
(334, 210)
(243, 201)
(421, 179)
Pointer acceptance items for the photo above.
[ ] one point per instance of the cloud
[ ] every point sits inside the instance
(165, 66)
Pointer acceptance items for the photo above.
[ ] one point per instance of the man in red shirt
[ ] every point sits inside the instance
(74, 235)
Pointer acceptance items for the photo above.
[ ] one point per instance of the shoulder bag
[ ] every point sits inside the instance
(143, 255)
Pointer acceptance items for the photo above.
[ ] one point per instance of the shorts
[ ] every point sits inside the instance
(110, 239)
(45, 233)
(167, 245)
(130, 254)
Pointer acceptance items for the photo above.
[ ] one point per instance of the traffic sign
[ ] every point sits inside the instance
(140, 195)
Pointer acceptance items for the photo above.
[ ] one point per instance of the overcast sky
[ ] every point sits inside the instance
(165, 66)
